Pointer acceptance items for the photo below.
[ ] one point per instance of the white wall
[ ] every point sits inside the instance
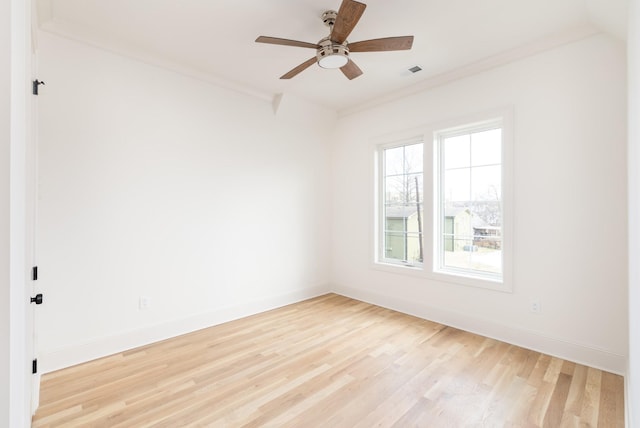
(569, 208)
(633, 373)
(156, 184)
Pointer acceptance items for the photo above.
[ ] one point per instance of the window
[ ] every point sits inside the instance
(402, 207)
(443, 203)
(469, 232)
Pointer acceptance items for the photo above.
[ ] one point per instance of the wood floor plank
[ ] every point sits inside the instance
(611, 405)
(576, 390)
(591, 400)
(555, 410)
(335, 362)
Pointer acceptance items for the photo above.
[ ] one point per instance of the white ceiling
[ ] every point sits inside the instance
(215, 39)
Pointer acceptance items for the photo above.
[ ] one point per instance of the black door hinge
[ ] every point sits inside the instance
(34, 273)
(34, 366)
(37, 300)
(36, 83)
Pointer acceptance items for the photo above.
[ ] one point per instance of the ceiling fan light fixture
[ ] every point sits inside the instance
(332, 55)
(333, 61)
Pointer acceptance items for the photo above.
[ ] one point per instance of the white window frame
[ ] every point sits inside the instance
(380, 256)
(429, 270)
(467, 276)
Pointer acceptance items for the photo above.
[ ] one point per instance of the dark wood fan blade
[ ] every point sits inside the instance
(308, 63)
(351, 70)
(348, 16)
(285, 42)
(402, 43)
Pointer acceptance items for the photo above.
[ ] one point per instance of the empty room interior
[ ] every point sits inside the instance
(337, 213)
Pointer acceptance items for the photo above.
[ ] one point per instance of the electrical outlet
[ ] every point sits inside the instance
(536, 307)
(144, 303)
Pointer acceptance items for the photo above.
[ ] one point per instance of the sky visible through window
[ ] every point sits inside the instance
(472, 166)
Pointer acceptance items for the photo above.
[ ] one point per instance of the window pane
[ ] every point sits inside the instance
(487, 213)
(414, 187)
(404, 189)
(413, 158)
(394, 248)
(402, 210)
(414, 248)
(403, 233)
(398, 215)
(471, 203)
(456, 256)
(465, 255)
(457, 152)
(486, 147)
(396, 188)
(456, 186)
(393, 161)
(486, 183)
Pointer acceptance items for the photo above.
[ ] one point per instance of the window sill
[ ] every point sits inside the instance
(446, 277)
(397, 268)
(472, 281)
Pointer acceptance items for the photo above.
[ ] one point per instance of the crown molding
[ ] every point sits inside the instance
(549, 42)
(49, 24)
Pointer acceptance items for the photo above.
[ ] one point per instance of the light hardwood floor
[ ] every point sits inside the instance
(331, 362)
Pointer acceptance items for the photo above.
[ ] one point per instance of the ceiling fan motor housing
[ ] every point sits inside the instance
(329, 18)
(332, 55)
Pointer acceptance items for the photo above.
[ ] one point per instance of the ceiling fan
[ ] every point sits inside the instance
(333, 51)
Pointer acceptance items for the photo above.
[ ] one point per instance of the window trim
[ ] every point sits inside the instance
(426, 134)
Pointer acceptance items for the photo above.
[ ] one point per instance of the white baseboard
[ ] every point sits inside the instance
(539, 342)
(579, 353)
(102, 347)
